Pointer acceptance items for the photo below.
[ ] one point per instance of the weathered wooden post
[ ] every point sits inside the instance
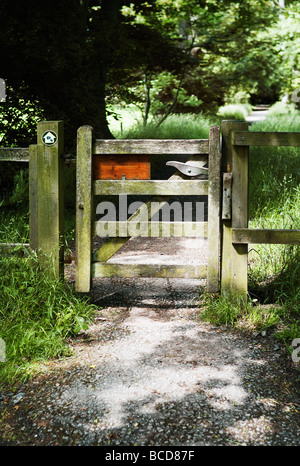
(214, 210)
(84, 209)
(234, 257)
(46, 193)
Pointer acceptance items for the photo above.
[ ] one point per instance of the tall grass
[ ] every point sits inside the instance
(274, 270)
(186, 126)
(38, 312)
(274, 193)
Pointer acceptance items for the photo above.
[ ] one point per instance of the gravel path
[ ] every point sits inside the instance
(149, 373)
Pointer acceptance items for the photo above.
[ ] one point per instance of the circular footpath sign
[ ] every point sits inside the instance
(49, 138)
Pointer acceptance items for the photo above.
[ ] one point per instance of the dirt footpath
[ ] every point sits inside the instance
(148, 372)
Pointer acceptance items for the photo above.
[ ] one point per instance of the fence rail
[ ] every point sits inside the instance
(151, 187)
(265, 236)
(14, 154)
(151, 146)
(261, 138)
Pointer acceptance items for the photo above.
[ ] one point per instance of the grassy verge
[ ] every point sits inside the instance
(38, 313)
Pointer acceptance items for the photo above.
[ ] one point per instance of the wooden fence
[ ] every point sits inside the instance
(14, 155)
(227, 190)
(235, 233)
(46, 199)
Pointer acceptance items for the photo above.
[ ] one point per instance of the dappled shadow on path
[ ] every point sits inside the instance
(172, 382)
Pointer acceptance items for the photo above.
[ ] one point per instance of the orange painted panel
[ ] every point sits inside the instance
(115, 167)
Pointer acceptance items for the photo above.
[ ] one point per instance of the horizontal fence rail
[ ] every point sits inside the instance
(100, 269)
(14, 249)
(265, 236)
(151, 146)
(14, 154)
(261, 138)
(151, 187)
(154, 229)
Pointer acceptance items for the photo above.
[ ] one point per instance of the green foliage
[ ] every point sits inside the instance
(14, 226)
(225, 50)
(38, 313)
(163, 95)
(274, 172)
(18, 120)
(165, 56)
(234, 112)
(187, 126)
(286, 40)
(232, 311)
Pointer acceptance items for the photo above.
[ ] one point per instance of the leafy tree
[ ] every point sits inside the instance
(70, 59)
(224, 48)
(55, 55)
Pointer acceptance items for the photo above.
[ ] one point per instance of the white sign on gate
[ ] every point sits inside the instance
(49, 138)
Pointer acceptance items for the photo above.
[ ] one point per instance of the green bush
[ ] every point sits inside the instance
(234, 111)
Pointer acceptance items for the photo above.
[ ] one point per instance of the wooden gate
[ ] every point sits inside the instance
(125, 154)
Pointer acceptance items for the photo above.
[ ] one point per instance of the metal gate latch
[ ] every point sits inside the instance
(189, 169)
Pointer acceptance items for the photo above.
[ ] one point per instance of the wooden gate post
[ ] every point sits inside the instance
(214, 160)
(234, 260)
(46, 194)
(84, 209)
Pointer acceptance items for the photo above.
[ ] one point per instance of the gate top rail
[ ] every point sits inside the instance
(151, 146)
(263, 138)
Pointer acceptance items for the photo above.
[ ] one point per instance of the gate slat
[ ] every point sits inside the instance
(151, 187)
(151, 146)
(134, 229)
(101, 270)
(214, 200)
